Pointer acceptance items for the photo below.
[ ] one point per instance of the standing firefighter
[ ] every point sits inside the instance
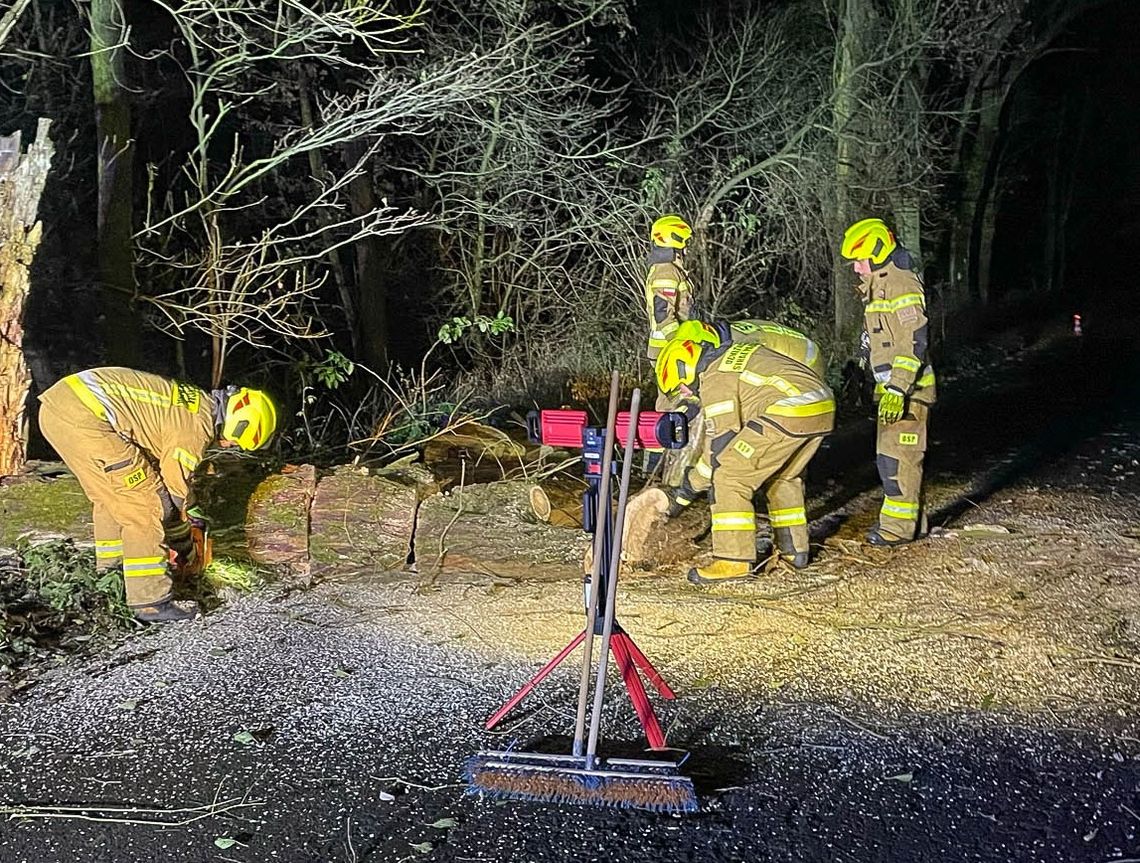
(765, 416)
(133, 440)
(894, 344)
(668, 294)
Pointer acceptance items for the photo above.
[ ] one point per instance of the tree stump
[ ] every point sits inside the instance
(22, 178)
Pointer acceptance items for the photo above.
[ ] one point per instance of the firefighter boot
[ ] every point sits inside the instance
(878, 537)
(167, 612)
(787, 547)
(721, 570)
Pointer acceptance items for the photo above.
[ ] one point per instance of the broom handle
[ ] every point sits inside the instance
(601, 525)
(611, 586)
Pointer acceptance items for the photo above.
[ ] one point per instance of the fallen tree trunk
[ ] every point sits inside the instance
(22, 178)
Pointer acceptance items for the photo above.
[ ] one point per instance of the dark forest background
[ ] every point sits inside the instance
(395, 213)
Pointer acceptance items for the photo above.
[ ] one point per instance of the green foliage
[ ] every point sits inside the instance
(454, 329)
(233, 574)
(65, 579)
(51, 596)
(333, 370)
(418, 421)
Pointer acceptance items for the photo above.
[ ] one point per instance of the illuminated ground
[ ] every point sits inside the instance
(972, 697)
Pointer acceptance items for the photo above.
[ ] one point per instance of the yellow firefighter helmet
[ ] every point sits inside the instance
(868, 239)
(250, 418)
(698, 331)
(677, 364)
(671, 232)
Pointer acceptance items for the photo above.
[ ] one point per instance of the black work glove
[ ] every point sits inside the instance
(678, 500)
(184, 552)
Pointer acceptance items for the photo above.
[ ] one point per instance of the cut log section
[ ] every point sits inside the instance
(492, 530)
(277, 518)
(361, 524)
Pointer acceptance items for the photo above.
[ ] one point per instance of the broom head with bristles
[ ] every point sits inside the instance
(656, 786)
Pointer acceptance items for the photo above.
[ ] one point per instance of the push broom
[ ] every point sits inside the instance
(581, 776)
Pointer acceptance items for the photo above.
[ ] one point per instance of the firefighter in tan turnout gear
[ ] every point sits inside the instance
(133, 440)
(668, 294)
(753, 331)
(894, 345)
(765, 416)
(783, 340)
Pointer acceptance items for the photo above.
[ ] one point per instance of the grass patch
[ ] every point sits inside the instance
(238, 575)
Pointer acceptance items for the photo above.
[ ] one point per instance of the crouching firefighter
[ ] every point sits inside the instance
(894, 345)
(765, 416)
(133, 440)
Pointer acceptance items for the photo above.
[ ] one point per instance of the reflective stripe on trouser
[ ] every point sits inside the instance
(753, 460)
(901, 448)
(108, 539)
(785, 494)
(123, 488)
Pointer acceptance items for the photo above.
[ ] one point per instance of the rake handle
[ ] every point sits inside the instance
(601, 526)
(611, 583)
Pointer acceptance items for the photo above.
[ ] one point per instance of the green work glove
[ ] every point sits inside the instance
(196, 517)
(891, 406)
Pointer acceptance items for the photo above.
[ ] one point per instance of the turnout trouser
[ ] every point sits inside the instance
(753, 459)
(900, 449)
(126, 492)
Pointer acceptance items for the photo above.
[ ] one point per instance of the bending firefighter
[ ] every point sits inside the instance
(894, 345)
(133, 440)
(752, 331)
(720, 334)
(765, 416)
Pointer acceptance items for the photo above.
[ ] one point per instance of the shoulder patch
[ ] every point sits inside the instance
(908, 314)
(737, 357)
(186, 396)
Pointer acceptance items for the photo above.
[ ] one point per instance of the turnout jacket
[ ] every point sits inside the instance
(896, 332)
(783, 340)
(172, 422)
(668, 301)
(753, 386)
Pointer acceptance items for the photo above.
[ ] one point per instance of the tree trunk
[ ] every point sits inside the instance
(115, 159)
(854, 22)
(371, 274)
(22, 178)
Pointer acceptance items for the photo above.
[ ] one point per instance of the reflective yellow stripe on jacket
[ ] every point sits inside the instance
(900, 302)
(87, 387)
